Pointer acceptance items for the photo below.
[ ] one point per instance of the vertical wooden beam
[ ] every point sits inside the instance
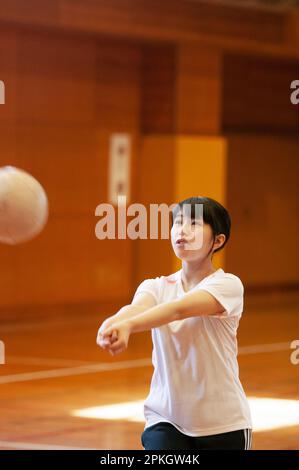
(199, 100)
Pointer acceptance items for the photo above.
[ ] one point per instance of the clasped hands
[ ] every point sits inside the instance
(113, 335)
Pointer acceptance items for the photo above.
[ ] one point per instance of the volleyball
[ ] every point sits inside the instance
(23, 206)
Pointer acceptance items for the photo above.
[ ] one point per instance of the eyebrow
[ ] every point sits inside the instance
(180, 216)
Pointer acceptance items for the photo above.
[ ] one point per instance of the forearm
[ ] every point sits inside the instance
(155, 317)
(130, 311)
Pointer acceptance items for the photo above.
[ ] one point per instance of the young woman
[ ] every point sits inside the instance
(196, 400)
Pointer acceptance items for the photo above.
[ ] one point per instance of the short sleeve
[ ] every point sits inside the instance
(229, 292)
(151, 286)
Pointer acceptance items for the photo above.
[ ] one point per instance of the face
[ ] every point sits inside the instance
(192, 239)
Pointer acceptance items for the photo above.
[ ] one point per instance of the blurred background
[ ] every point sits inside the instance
(197, 93)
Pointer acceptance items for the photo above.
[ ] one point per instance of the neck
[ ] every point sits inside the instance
(194, 272)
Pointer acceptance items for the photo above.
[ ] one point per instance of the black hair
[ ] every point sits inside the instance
(214, 214)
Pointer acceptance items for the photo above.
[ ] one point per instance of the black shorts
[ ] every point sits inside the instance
(165, 436)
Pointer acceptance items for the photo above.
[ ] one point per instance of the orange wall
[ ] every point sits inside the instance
(263, 199)
(156, 185)
(66, 93)
(64, 96)
(200, 170)
(172, 169)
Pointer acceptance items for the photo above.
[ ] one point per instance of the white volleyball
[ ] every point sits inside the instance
(23, 206)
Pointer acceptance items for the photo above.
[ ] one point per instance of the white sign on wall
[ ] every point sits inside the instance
(119, 167)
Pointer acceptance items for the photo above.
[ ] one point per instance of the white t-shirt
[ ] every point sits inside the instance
(195, 384)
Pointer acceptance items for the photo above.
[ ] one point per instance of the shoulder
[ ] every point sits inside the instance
(150, 282)
(159, 280)
(150, 286)
(165, 278)
(235, 279)
(228, 289)
(225, 280)
(159, 284)
(170, 278)
(230, 281)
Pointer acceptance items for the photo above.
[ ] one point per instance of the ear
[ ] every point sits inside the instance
(219, 241)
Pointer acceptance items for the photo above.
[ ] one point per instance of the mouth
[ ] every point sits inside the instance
(181, 241)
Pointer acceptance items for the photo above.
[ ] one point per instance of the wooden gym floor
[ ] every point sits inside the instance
(55, 373)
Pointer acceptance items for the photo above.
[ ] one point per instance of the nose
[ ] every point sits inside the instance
(185, 229)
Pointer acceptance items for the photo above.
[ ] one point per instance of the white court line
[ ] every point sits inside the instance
(58, 362)
(33, 446)
(68, 372)
(264, 348)
(38, 361)
(110, 366)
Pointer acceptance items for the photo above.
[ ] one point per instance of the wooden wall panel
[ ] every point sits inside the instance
(200, 170)
(181, 90)
(159, 75)
(8, 267)
(9, 50)
(198, 91)
(118, 81)
(56, 79)
(171, 19)
(8, 143)
(68, 89)
(68, 162)
(230, 27)
(156, 185)
(68, 264)
(32, 12)
(67, 94)
(263, 200)
(256, 95)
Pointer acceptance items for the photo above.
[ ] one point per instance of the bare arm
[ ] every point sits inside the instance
(194, 304)
(141, 302)
(190, 305)
(128, 311)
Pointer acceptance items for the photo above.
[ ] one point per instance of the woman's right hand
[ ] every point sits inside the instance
(107, 342)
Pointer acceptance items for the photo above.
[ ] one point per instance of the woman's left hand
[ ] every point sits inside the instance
(122, 330)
